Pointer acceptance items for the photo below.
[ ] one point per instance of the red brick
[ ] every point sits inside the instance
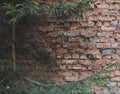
(115, 57)
(106, 18)
(106, 24)
(103, 28)
(75, 40)
(99, 23)
(66, 45)
(66, 73)
(115, 45)
(76, 50)
(101, 62)
(73, 45)
(62, 51)
(63, 67)
(67, 56)
(88, 34)
(52, 34)
(115, 6)
(117, 73)
(86, 45)
(92, 18)
(54, 46)
(94, 67)
(86, 74)
(86, 62)
(103, 6)
(103, 45)
(116, 79)
(114, 23)
(117, 35)
(104, 39)
(119, 84)
(105, 34)
(118, 17)
(71, 78)
(94, 51)
(107, 57)
(113, 1)
(75, 56)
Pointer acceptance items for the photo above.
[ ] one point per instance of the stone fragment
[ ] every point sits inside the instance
(108, 51)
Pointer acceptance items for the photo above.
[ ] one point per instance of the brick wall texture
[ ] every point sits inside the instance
(83, 47)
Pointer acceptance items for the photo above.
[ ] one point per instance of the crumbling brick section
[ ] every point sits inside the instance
(84, 47)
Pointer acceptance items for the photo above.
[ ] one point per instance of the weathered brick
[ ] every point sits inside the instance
(67, 56)
(54, 46)
(115, 6)
(66, 45)
(83, 57)
(119, 84)
(103, 45)
(115, 45)
(107, 57)
(62, 51)
(94, 51)
(45, 28)
(75, 56)
(105, 34)
(119, 23)
(87, 62)
(116, 79)
(87, 34)
(94, 67)
(60, 56)
(74, 67)
(75, 39)
(52, 34)
(117, 73)
(86, 45)
(104, 39)
(106, 24)
(66, 73)
(113, 1)
(92, 18)
(101, 62)
(71, 34)
(69, 62)
(103, 28)
(73, 45)
(103, 6)
(71, 78)
(106, 18)
(114, 22)
(115, 57)
(76, 50)
(118, 17)
(63, 67)
(86, 74)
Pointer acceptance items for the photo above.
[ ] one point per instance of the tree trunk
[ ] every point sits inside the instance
(13, 47)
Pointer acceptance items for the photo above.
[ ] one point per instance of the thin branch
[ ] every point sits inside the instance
(36, 82)
(6, 78)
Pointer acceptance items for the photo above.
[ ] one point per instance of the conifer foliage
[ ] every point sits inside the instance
(16, 12)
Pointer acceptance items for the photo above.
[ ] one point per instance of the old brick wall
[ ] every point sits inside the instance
(83, 47)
